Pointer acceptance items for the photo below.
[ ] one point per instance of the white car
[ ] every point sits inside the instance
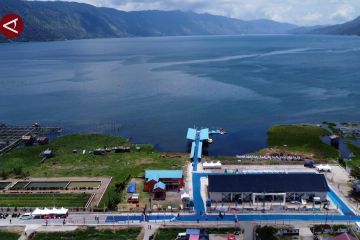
(181, 235)
(323, 168)
(26, 216)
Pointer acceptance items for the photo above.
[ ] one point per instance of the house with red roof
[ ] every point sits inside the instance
(160, 181)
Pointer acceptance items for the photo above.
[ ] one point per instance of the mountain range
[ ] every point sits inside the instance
(49, 21)
(348, 28)
(46, 21)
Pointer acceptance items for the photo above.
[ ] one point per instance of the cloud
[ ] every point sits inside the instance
(301, 12)
(343, 13)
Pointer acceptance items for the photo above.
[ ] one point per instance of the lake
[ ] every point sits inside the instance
(153, 89)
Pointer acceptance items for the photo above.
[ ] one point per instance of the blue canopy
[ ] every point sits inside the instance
(131, 187)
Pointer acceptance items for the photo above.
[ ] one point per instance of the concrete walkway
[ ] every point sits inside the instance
(30, 229)
(149, 229)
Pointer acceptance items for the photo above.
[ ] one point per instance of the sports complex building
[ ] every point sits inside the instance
(267, 187)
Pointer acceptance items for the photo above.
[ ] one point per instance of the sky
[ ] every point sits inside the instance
(300, 12)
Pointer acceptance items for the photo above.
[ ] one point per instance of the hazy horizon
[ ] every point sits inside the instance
(299, 12)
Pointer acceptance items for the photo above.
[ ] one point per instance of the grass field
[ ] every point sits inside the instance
(91, 234)
(5, 235)
(43, 200)
(66, 163)
(171, 233)
(303, 139)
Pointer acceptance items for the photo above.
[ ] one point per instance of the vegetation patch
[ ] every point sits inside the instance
(9, 235)
(168, 233)
(172, 233)
(333, 127)
(302, 139)
(44, 200)
(66, 163)
(91, 234)
(354, 162)
(266, 233)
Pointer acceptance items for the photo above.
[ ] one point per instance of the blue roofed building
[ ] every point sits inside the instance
(269, 188)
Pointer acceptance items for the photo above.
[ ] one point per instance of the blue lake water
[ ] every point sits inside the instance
(153, 89)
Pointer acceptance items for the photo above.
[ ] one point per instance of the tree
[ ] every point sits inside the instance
(266, 233)
(342, 162)
(4, 174)
(355, 172)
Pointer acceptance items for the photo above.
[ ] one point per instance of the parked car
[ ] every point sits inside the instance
(181, 236)
(26, 216)
(323, 168)
(134, 198)
(309, 163)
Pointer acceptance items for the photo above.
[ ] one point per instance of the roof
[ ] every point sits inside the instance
(212, 164)
(204, 134)
(334, 136)
(158, 174)
(268, 182)
(194, 237)
(199, 150)
(160, 185)
(42, 138)
(26, 137)
(193, 231)
(185, 195)
(47, 151)
(49, 211)
(344, 236)
(192, 152)
(191, 134)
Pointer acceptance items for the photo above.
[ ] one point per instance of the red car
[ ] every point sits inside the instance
(231, 237)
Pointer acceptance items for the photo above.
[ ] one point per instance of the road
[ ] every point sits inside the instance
(245, 222)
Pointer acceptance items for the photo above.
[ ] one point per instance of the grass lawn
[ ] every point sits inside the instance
(67, 163)
(43, 200)
(144, 197)
(91, 234)
(304, 139)
(9, 235)
(171, 233)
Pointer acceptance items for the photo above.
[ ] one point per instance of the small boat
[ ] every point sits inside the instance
(210, 140)
(222, 131)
